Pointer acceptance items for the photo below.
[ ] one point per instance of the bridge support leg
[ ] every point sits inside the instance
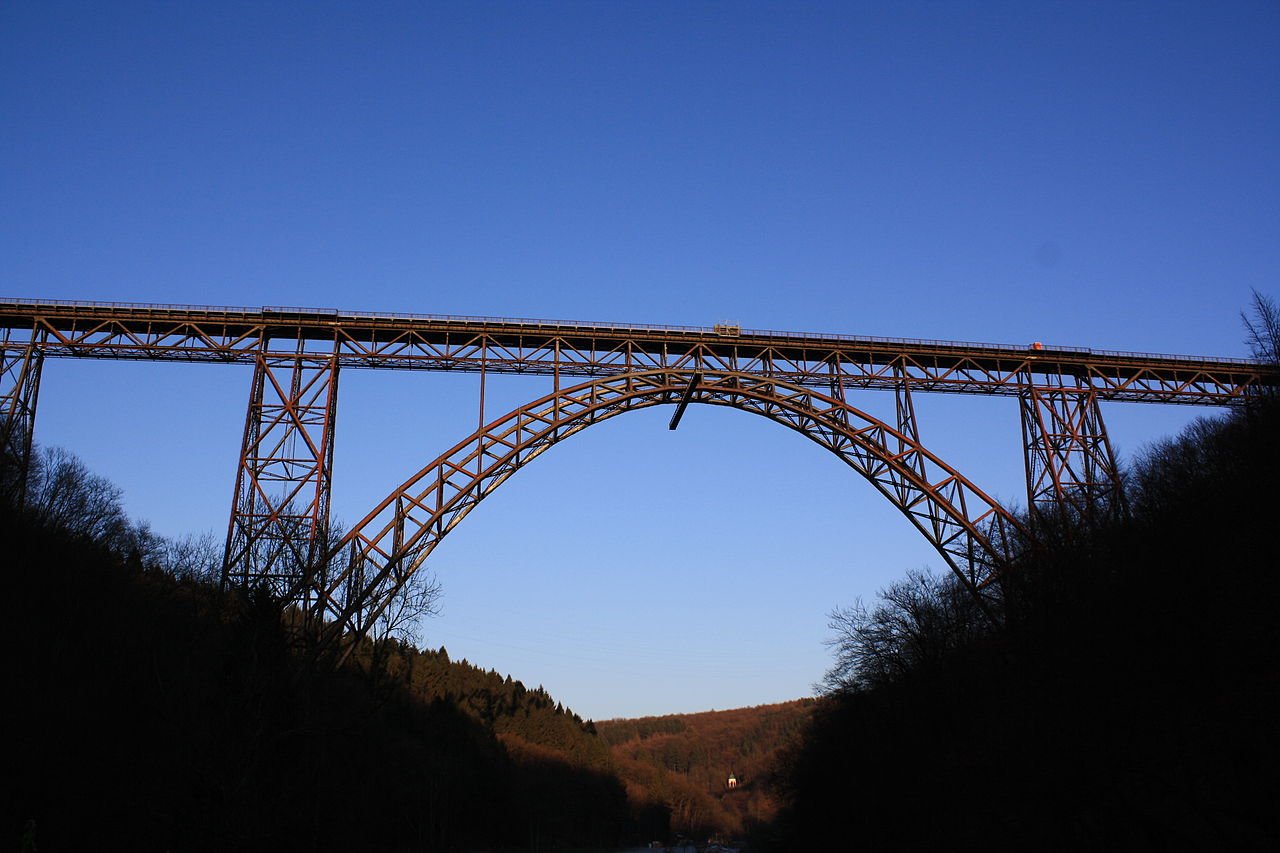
(906, 445)
(20, 363)
(279, 526)
(1070, 465)
(906, 417)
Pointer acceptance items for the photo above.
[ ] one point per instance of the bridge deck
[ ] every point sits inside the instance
(434, 342)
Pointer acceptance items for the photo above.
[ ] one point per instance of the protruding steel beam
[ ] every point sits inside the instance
(684, 400)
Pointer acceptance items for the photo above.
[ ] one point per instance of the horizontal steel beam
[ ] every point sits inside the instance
(427, 342)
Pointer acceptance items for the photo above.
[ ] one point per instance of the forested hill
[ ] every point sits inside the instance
(529, 722)
(681, 763)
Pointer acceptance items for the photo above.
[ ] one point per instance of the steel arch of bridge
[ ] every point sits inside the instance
(383, 551)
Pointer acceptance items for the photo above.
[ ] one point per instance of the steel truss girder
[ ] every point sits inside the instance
(585, 350)
(382, 552)
(1070, 465)
(279, 525)
(20, 363)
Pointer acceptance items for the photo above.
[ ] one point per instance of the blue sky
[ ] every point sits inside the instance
(1099, 175)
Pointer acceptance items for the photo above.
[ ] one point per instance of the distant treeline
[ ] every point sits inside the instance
(1127, 699)
(679, 765)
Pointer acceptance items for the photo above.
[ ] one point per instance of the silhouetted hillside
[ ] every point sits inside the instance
(1129, 701)
(154, 713)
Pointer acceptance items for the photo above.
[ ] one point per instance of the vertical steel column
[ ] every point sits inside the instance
(555, 384)
(278, 534)
(20, 363)
(1070, 464)
(907, 448)
(906, 413)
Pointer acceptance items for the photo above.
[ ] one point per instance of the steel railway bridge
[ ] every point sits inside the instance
(279, 537)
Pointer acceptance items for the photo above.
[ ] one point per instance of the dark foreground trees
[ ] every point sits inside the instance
(1130, 701)
(148, 711)
(919, 623)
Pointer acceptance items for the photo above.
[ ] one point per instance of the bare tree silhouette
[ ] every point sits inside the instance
(918, 622)
(1262, 328)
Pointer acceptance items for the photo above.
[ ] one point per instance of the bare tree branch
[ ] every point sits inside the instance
(416, 599)
(1262, 328)
(919, 621)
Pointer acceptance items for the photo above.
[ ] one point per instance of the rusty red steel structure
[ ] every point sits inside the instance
(20, 364)
(279, 520)
(385, 548)
(278, 534)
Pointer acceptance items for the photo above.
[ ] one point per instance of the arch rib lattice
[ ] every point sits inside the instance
(381, 553)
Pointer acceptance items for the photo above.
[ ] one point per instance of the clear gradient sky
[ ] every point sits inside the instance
(1099, 175)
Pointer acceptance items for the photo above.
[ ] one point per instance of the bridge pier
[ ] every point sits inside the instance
(1069, 461)
(279, 528)
(21, 360)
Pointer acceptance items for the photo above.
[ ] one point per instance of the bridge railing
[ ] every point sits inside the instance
(587, 326)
